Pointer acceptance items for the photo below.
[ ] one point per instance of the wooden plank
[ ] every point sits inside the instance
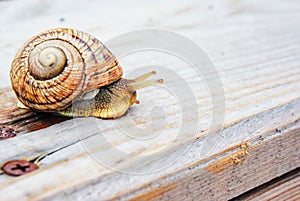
(234, 170)
(269, 148)
(286, 187)
(260, 77)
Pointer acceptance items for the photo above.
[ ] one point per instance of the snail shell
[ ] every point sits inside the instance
(57, 66)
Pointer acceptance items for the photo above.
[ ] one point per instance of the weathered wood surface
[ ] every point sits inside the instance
(224, 173)
(255, 48)
(286, 187)
(22, 120)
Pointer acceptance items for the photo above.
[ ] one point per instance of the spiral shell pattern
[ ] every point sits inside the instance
(55, 67)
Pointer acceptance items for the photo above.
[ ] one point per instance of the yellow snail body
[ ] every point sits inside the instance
(71, 73)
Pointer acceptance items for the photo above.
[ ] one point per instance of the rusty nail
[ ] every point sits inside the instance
(18, 167)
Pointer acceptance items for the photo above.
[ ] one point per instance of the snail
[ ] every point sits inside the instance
(71, 73)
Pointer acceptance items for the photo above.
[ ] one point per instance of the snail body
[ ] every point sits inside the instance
(112, 100)
(71, 73)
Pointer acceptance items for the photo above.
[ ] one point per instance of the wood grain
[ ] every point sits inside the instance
(237, 169)
(255, 50)
(22, 120)
(286, 187)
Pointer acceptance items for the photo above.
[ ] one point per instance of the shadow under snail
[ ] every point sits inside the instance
(71, 73)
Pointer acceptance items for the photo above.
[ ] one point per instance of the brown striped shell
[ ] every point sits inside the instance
(56, 66)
